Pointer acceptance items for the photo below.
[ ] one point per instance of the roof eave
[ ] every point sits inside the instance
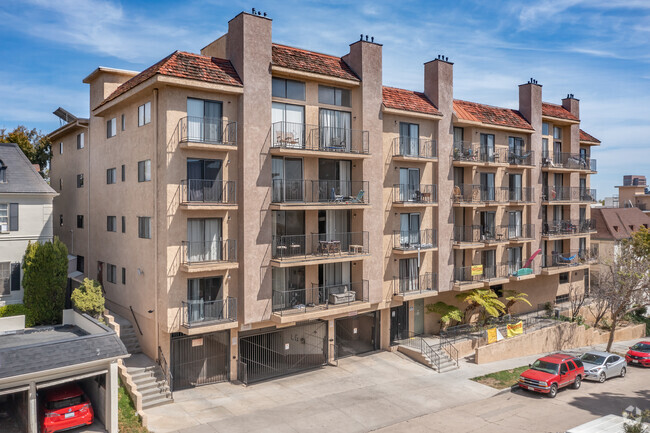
(560, 120)
(465, 122)
(103, 69)
(410, 113)
(68, 127)
(288, 72)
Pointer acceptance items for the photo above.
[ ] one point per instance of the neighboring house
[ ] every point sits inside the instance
(80, 350)
(613, 225)
(634, 192)
(25, 215)
(257, 209)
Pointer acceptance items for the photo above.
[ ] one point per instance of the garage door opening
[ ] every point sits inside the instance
(199, 359)
(13, 412)
(358, 334)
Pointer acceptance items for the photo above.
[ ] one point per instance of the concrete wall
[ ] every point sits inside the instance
(12, 323)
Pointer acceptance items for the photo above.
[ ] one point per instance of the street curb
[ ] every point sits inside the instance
(513, 388)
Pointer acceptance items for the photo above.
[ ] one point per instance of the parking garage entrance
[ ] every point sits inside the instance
(266, 354)
(357, 334)
(199, 359)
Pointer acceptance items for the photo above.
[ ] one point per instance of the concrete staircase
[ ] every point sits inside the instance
(422, 351)
(129, 338)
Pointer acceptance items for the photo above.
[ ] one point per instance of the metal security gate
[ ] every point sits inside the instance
(199, 359)
(283, 351)
(399, 323)
(356, 335)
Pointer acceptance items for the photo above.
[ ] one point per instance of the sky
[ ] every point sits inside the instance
(598, 50)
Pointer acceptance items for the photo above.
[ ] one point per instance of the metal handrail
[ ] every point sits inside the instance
(166, 371)
(319, 245)
(407, 193)
(224, 250)
(213, 191)
(427, 282)
(319, 191)
(136, 319)
(415, 341)
(303, 300)
(207, 130)
(199, 313)
(300, 136)
(414, 147)
(568, 193)
(568, 227)
(572, 161)
(451, 350)
(410, 240)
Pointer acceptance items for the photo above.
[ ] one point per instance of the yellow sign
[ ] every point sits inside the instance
(492, 335)
(477, 270)
(515, 329)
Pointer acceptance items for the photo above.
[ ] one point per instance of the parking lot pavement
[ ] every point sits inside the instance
(385, 390)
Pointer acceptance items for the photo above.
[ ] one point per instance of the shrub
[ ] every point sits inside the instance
(15, 310)
(88, 298)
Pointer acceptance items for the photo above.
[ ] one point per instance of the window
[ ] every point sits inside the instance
(144, 171)
(80, 221)
(80, 264)
(204, 121)
(578, 363)
(487, 186)
(562, 298)
(564, 369)
(544, 148)
(571, 365)
(61, 148)
(123, 275)
(61, 220)
(110, 175)
(123, 122)
(111, 223)
(144, 227)
(334, 96)
(123, 224)
(111, 273)
(487, 150)
(60, 183)
(564, 277)
(144, 114)
(4, 217)
(5, 278)
(123, 172)
(557, 133)
(3, 172)
(111, 128)
(80, 140)
(80, 180)
(288, 89)
(544, 128)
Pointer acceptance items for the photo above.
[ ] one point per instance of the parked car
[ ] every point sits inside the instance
(601, 366)
(65, 407)
(639, 354)
(552, 372)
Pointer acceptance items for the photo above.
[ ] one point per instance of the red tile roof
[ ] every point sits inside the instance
(554, 110)
(184, 65)
(588, 137)
(490, 115)
(310, 61)
(408, 100)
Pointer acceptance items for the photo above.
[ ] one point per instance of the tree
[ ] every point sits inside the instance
(447, 313)
(484, 300)
(88, 298)
(513, 296)
(599, 299)
(576, 299)
(45, 274)
(36, 146)
(625, 280)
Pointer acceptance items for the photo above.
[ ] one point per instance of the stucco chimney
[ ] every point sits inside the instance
(530, 104)
(572, 105)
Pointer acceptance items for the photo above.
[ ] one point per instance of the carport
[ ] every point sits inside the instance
(81, 350)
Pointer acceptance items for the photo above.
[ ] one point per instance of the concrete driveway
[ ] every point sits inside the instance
(364, 393)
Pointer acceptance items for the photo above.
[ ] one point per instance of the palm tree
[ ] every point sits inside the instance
(447, 313)
(513, 296)
(484, 300)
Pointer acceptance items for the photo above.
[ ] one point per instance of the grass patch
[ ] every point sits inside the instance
(128, 420)
(501, 379)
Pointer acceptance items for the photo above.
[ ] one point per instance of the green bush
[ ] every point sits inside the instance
(88, 298)
(45, 274)
(15, 310)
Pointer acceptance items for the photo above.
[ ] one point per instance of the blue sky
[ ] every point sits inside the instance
(598, 50)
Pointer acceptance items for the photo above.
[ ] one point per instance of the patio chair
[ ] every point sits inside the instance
(358, 198)
(516, 158)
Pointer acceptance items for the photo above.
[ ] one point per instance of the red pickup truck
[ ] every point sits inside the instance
(552, 372)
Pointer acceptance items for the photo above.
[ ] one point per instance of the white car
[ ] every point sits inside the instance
(601, 366)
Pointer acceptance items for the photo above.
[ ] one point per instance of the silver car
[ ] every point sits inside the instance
(601, 366)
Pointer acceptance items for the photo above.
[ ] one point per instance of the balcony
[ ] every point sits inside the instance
(207, 133)
(322, 141)
(319, 194)
(556, 263)
(208, 194)
(562, 161)
(477, 236)
(294, 250)
(407, 195)
(518, 271)
(521, 195)
(567, 194)
(466, 153)
(479, 195)
(406, 288)
(521, 157)
(290, 305)
(568, 228)
(208, 316)
(205, 256)
(518, 233)
(406, 242)
(475, 276)
(414, 149)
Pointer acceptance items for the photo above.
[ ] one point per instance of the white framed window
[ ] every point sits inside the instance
(111, 128)
(334, 96)
(111, 175)
(5, 278)
(144, 227)
(144, 114)
(80, 140)
(144, 171)
(61, 148)
(544, 128)
(4, 217)
(557, 133)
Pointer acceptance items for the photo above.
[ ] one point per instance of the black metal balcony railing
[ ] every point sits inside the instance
(568, 194)
(207, 130)
(465, 151)
(480, 194)
(414, 147)
(407, 193)
(521, 157)
(572, 161)
(299, 136)
(208, 191)
(468, 152)
(319, 245)
(209, 251)
(518, 232)
(517, 269)
(570, 258)
(568, 227)
(415, 239)
(479, 272)
(471, 234)
(200, 312)
(587, 195)
(521, 195)
(427, 282)
(319, 191)
(303, 300)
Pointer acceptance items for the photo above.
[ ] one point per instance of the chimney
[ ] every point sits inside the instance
(439, 84)
(530, 103)
(572, 104)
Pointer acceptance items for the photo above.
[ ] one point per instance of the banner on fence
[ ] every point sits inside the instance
(515, 329)
(492, 335)
(477, 270)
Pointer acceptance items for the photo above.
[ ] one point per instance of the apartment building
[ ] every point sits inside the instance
(634, 193)
(260, 209)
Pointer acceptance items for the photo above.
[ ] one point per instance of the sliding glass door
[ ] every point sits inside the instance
(288, 125)
(409, 184)
(204, 241)
(204, 178)
(335, 133)
(204, 120)
(410, 230)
